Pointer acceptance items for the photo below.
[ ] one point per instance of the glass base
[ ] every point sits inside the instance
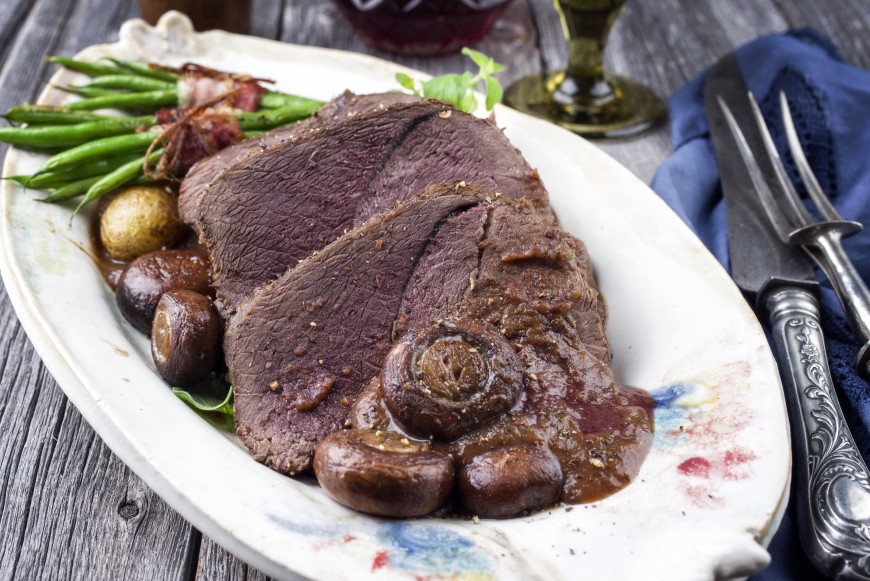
(636, 108)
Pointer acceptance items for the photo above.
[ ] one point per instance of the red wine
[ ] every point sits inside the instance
(422, 27)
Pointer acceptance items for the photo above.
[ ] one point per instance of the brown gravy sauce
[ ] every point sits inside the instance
(599, 430)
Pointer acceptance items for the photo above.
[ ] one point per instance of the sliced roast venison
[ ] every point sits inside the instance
(272, 209)
(303, 347)
(302, 350)
(527, 281)
(346, 105)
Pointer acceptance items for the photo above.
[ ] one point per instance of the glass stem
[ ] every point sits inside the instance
(586, 24)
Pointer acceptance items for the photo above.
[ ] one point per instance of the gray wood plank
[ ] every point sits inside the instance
(69, 509)
(846, 22)
(93, 22)
(267, 18)
(217, 564)
(12, 14)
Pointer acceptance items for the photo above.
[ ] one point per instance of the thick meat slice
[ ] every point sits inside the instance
(518, 272)
(275, 208)
(531, 283)
(445, 272)
(346, 105)
(590, 322)
(302, 348)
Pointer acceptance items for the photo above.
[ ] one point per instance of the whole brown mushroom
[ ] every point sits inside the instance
(148, 277)
(185, 337)
(508, 481)
(383, 473)
(445, 378)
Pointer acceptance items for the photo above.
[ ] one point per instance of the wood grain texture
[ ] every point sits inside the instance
(12, 15)
(216, 564)
(68, 507)
(267, 18)
(846, 22)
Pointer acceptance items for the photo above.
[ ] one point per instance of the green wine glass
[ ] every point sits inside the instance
(583, 98)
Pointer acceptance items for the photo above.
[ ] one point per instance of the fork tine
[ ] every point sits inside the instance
(798, 213)
(826, 209)
(777, 217)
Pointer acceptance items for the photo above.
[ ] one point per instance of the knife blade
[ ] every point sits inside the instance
(759, 259)
(832, 483)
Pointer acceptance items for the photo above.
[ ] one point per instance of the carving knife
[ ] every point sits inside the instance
(832, 484)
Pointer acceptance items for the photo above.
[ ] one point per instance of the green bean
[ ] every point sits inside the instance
(130, 82)
(249, 135)
(117, 178)
(44, 114)
(144, 70)
(85, 91)
(144, 180)
(71, 190)
(78, 188)
(88, 68)
(272, 100)
(59, 136)
(100, 148)
(276, 100)
(149, 100)
(272, 118)
(55, 179)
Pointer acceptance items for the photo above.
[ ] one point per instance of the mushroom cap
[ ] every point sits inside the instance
(508, 481)
(445, 378)
(383, 473)
(185, 337)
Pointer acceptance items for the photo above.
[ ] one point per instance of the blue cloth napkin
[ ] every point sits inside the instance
(830, 103)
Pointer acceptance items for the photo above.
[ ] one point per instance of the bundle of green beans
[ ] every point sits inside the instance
(95, 154)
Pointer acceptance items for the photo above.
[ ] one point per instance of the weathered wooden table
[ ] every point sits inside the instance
(68, 507)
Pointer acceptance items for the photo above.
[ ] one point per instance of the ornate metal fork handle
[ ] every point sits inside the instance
(832, 481)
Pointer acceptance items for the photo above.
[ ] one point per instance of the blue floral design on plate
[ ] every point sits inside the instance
(432, 550)
(670, 414)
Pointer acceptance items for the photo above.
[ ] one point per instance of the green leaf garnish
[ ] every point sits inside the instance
(406, 81)
(213, 403)
(450, 88)
(493, 93)
(459, 89)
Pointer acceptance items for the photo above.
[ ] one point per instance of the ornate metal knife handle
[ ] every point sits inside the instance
(832, 480)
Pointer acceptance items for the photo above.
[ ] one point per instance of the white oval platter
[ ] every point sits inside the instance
(706, 502)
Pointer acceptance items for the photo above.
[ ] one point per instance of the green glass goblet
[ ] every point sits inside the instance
(583, 98)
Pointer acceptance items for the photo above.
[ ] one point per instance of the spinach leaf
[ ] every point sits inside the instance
(214, 403)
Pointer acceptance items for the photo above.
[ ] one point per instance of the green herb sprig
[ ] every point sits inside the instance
(214, 403)
(459, 89)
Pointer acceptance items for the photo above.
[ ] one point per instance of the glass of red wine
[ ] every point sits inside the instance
(422, 27)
